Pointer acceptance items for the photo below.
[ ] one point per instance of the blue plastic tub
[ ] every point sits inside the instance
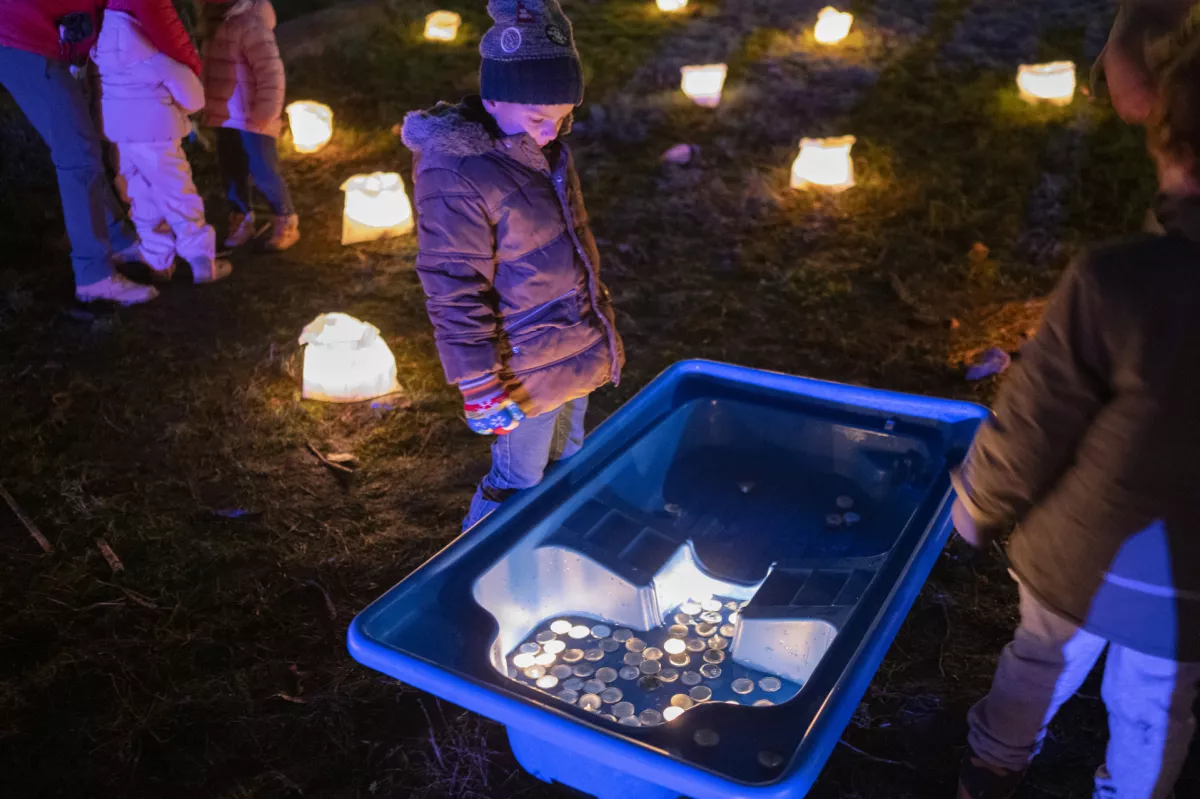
(815, 510)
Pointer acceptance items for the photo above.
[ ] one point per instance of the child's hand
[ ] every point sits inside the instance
(489, 408)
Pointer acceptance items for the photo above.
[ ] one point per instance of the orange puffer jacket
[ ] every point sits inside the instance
(243, 73)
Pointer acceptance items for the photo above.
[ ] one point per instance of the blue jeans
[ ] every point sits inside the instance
(1149, 702)
(520, 458)
(57, 106)
(244, 155)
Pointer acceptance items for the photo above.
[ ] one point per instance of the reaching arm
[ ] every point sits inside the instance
(1044, 410)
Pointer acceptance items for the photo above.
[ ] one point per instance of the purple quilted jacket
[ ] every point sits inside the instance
(507, 261)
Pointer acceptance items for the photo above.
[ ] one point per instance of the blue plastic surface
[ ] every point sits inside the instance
(746, 464)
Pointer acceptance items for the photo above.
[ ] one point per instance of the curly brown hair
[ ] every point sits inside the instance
(1173, 128)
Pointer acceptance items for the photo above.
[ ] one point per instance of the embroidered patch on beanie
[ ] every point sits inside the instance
(529, 55)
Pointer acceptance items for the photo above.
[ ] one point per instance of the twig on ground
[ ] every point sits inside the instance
(25, 520)
(296, 700)
(114, 562)
(437, 752)
(329, 606)
(335, 466)
(920, 312)
(876, 758)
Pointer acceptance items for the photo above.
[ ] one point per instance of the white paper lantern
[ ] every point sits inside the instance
(824, 163)
(376, 207)
(1052, 83)
(442, 26)
(832, 25)
(311, 124)
(345, 360)
(672, 5)
(703, 83)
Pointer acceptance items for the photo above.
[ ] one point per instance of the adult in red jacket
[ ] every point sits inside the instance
(161, 24)
(38, 41)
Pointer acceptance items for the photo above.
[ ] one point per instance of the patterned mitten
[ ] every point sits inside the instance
(488, 407)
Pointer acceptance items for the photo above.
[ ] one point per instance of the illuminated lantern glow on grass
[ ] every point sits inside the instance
(377, 207)
(345, 360)
(442, 26)
(672, 5)
(824, 163)
(1052, 83)
(703, 83)
(832, 25)
(311, 124)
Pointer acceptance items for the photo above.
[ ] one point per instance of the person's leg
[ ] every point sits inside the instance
(196, 241)
(56, 106)
(137, 164)
(264, 167)
(235, 170)
(568, 430)
(1044, 665)
(519, 460)
(263, 155)
(1150, 723)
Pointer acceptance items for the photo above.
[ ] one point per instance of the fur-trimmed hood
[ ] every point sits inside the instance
(456, 130)
(453, 129)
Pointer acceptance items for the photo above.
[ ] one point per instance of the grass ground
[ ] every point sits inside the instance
(213, 664)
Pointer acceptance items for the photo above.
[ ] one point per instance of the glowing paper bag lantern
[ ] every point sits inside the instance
(825, 163)
(1052, 83)
(345, 360)
(703, 83)
(832, 25)
(311, 124)
(376, 207)
(442, 26)
(672, 5)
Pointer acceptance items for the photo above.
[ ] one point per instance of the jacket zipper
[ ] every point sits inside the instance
(560, 190)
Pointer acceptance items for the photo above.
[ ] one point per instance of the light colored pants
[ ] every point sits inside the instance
(166, 209)
(1149, 703)
(520, 458)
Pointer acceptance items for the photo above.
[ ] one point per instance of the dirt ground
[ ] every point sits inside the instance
(212, 663)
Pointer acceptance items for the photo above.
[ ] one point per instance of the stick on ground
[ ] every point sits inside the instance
(25, 520)
(331, 464)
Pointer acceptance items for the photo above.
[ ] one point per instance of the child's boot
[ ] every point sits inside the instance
(130, 255)
(241, 229)
(209, 270)
(285, 231)
(978, 780)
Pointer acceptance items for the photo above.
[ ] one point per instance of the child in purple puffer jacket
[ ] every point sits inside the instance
(523, 325)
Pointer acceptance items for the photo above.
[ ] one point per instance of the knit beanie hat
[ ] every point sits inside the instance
(529, 55)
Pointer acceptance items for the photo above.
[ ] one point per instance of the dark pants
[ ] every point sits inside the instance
(57, 107)
(243, 156)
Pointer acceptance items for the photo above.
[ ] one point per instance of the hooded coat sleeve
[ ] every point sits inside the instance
(1045, 408)
(456, 265)
(262, 53)
(181, 82)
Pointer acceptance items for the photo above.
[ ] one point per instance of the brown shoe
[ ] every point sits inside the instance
(285, 231)
(978, 780)
(241, 229)
(210, 270)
